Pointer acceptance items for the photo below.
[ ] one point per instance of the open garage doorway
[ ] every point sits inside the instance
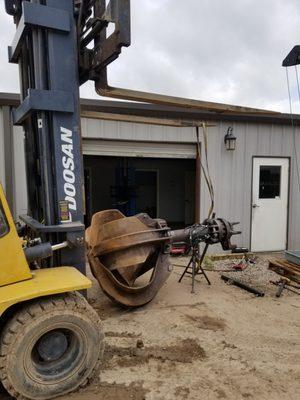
(162, 188)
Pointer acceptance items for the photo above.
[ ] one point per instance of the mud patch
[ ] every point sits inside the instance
(123, 335)
(206, 322)
(221, 394)
(177, 306)
(182, 392)
(184, 352)
(107, 309)
(111, 391)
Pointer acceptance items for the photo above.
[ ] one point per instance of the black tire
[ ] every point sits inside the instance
(50, 347)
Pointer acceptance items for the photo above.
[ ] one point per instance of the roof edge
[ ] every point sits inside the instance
(162, 111)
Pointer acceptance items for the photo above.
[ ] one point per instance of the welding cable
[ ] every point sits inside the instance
(207, 179)
(205, 135)
(205, 173)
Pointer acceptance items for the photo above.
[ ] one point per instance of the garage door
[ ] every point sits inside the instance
(138, 149)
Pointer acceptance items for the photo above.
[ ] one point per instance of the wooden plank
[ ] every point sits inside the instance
(230, 256)
(285, 265)
(285, 268)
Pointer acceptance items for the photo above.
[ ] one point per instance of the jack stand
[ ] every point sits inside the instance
(196, 264)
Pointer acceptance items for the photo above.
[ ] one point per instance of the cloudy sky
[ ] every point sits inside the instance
(218, 50)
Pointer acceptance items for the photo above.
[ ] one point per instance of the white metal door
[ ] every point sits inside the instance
(269, 203)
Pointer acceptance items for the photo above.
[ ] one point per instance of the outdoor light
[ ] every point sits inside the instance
(230, 139)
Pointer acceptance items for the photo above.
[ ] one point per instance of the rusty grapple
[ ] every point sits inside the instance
(129, 256)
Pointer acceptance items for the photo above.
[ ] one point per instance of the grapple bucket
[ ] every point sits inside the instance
(128, 256)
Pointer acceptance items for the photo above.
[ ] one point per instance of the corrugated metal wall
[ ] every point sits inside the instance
(231, 171)
(20, 206)
(15, 163)
(95, 128)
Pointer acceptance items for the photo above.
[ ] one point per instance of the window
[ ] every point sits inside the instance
(269, 181)
(4, 228)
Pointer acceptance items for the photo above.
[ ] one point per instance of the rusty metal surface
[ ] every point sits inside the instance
(121, 250)
(105, 90)
(129, 256)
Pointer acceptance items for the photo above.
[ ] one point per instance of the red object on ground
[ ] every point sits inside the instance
(179, 249)
(240, 266)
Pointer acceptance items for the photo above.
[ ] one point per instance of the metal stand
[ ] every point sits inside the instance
(196, 264)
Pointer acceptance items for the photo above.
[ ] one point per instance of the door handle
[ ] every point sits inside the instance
(255, 205)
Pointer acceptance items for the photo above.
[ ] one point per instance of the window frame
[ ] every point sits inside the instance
(260, 184)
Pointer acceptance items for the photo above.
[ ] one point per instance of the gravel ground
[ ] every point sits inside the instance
(256, 274)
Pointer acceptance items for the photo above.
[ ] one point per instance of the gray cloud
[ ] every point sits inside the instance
(225, 51)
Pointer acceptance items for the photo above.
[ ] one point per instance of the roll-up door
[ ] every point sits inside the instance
(116, 148)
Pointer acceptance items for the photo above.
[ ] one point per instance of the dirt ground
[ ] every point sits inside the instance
(219, 343)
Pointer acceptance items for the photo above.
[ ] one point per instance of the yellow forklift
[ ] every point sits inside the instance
(51, 340)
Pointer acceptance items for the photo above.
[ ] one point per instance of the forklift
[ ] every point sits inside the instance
(51, 339)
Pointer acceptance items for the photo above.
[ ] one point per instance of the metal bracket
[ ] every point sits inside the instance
(41, 228)
(39, 16)
(106, 48)
(44, 100)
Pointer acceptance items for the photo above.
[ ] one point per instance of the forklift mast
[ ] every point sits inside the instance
(59, 45)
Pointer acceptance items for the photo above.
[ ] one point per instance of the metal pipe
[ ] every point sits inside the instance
(60, 246)
(242, 285)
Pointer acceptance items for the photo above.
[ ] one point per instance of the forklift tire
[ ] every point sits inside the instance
(50, 347)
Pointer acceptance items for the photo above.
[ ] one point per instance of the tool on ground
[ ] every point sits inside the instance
(286, 284)
(242, 285)
(129, 256)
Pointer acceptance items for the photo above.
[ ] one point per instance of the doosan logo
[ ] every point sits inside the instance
(68, 167)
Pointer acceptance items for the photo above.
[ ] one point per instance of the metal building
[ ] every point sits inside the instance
(143, 158)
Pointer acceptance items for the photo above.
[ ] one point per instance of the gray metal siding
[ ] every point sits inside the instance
(231, 172)
(117, 130)
(20, 186)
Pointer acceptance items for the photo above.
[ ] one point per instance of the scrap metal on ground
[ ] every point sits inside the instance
(289, 272)
(242, 285)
